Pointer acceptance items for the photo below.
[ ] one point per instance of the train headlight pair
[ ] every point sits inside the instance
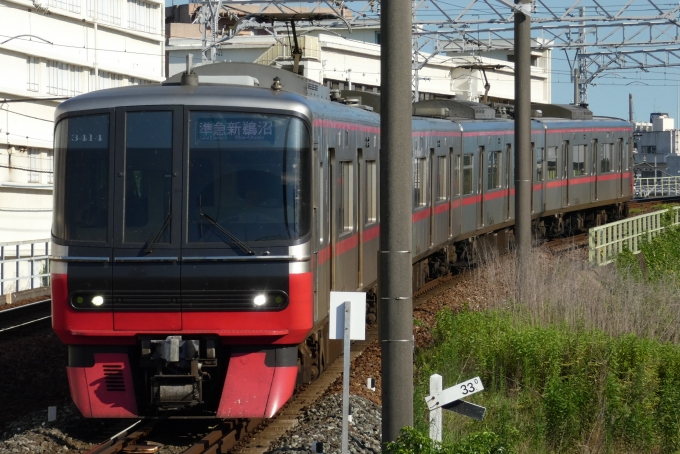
(274, 300)
(95, 301)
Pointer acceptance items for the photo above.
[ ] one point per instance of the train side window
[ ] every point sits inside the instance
(467, 174)
(442, 187)
(494, 172)
(538, 156)
(456, 175)
(347, 195)
(419, 183)
(606, 158)
(551, 159)
(579, 160)
(371, 192)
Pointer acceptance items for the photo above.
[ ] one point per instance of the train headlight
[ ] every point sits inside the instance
(97, 301)
(260, 300)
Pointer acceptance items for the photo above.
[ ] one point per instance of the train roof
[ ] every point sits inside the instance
(238, 96)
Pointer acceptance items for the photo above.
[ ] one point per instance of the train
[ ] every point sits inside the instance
(201, 224)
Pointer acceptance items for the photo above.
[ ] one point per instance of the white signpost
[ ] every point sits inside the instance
(450, 399)
(347, 322)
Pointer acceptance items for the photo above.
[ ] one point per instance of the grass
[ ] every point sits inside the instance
(587, 362)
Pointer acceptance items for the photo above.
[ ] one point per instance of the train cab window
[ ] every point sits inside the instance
(467, 174)
(606, 158)
(538, 159)
(494, 166)
(579, 160)
(442, 186)
(551, 163)
(245, 175)
(371, 192)
(82, 198)
(347, 196)
(148, 176)
(419, 183)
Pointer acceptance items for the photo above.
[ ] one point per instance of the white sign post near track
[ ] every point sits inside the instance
(347, 322)
(450, 399)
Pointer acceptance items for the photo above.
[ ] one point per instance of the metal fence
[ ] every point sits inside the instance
(24, 265)
(657, 187)
(606, 241)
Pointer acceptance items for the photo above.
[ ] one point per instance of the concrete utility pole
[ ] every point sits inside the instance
(395, 317)
(523, 158)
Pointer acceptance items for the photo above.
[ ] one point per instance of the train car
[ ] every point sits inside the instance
(200, 225)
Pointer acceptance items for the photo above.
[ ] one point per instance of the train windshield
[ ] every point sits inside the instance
(82, 160)
(249, 174)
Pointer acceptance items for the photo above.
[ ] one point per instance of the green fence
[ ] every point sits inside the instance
(606, 241)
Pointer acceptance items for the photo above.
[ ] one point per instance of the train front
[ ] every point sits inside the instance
(181, 277)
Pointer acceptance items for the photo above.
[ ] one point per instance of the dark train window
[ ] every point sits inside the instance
(456, 175)
(538, 157)
(579, 160)
(82, 189)
(148, 177)
(551, 161)
(249, 173)
(494, 167)
(419, 183)
(442, 187)
(347, 196)
(606, 158)
(467, 174)
(371, 192)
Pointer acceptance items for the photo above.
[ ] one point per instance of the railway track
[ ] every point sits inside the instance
(22, 316)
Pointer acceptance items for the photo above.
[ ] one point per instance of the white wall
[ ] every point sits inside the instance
(127, 45)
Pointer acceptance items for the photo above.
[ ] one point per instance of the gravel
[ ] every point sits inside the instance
(322, 422)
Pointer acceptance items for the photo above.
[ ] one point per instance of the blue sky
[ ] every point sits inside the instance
(653, 91)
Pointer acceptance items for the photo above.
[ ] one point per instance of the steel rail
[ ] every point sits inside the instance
(26, 314)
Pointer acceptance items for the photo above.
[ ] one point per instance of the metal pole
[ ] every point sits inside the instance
(345, 379)
(630, 108)
(436, 384)
(396, 181)
(523, 158)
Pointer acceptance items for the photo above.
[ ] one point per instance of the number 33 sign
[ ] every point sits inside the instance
(454, 393)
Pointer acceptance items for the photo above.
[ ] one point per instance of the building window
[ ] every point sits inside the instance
(579, 160)
(104, 10)
(33, 73)
(142, 16)
(371, 192)
(69, 5)
(34, 165)
(50, 166)
(63, 79)
(552, 163)
(442, 186)
(347, 196)
(419, 183)
(494, 179)
(606, 159)
(467, 174)
(109, 80)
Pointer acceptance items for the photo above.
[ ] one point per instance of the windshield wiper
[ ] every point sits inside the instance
(238, 242)
(158, 234)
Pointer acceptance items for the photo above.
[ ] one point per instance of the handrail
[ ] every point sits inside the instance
(656, 187)
(18, 261)
(606, 241)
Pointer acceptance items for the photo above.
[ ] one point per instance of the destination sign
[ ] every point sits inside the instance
(235, 130)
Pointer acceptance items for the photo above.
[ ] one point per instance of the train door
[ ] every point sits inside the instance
(564, 156)
(319, 232)
(622, 166)
(508, 180)
(456, 205)
(148, 184)
(480, 188)
(332, 179)
(431, 196)
(594, 186)
(360, 217)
